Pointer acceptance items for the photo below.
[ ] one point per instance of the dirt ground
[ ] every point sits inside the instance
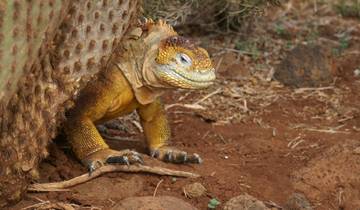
(254, 134)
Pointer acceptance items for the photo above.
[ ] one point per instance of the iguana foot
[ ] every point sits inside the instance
(109, 156)
(110, 128)
(173, 155)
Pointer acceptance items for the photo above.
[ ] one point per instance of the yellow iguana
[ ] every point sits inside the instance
(151, 59)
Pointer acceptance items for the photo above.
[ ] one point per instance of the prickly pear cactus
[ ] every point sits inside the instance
(49, 50)
(24, 27)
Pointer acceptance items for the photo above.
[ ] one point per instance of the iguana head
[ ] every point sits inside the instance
(183, 64)
(178, 61)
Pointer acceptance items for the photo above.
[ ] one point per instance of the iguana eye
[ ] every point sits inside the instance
(185, 59)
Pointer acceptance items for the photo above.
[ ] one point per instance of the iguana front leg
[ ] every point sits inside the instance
(157, 132)
(90, 147)
(87, 143)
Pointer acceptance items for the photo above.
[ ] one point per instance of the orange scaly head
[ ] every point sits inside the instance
(180, 63)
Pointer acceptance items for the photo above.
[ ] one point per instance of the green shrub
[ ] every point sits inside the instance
(348, 8)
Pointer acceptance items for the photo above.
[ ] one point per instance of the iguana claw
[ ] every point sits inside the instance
(108, 156)
(195, 158)
(118, 159)
(92, 166)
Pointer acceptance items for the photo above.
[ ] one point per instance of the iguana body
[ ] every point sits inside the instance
(150, 60)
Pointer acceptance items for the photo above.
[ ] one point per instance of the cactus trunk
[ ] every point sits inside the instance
(49, 50)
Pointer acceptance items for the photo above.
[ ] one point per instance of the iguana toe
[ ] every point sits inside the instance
(119, 160)
(172, 155)
(134, 158)
(109, 156)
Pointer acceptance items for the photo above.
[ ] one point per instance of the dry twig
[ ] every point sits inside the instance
(208, 96)
(195, 105)
(138, 126)
(47, 205)
(157, 186)
(301, 90)
(45, 187)
(34, 206)
(188, 106)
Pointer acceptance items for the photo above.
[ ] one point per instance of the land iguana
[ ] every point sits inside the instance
(150, 60)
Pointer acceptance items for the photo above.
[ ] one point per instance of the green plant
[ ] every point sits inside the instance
(213, 203)
(312, 36)
(344, 43)
(248, 47)
(281, 31)
(289, 45)
(348, 8)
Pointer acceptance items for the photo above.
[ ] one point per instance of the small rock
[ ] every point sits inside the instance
(245, 202)
(357, 72)
(357, 150)
(236, 72)
(194, 190)
(152, 203)
(297, 201)
(305, 66)
(105, 188)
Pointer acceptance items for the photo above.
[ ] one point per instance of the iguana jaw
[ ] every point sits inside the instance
(181, 78)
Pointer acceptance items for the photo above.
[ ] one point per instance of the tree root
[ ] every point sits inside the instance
(61, 186)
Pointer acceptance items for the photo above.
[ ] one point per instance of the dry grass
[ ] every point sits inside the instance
(212, 15)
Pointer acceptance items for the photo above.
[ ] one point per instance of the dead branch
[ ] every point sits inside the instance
(188, 106)
(54, 186)
(301, 90)
(326, 130)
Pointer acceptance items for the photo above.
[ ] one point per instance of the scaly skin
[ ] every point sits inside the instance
(155, 60)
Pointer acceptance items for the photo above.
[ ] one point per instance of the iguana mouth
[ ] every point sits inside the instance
(186, 79)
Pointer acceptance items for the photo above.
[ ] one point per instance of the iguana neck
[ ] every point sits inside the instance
(137, 60)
